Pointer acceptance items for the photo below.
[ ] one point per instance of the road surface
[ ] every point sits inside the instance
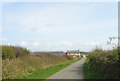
(73, 71)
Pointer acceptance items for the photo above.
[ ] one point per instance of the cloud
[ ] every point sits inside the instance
(24, 44)
(36, 44)
(58, 22)
(1, 30)
(92, 44)
(63, 45)
(47, 19)
(59, 19)
(4, 41)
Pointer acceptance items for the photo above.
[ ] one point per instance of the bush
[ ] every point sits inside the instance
(9, 52)
(104, 62)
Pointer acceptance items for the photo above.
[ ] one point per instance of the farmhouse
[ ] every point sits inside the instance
(73, 53)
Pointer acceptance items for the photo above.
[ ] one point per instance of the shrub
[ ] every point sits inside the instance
(9, 52)
(104, 62)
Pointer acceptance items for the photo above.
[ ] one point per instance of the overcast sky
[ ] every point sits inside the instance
(49, 26)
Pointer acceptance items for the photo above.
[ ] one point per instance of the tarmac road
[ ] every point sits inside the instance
(73, 71)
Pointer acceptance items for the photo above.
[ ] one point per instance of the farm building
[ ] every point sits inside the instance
(73, 53)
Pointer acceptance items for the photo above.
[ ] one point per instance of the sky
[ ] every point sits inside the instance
(60, 0)
(59, 26)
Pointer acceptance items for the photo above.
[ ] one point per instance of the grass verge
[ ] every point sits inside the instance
(47, 72)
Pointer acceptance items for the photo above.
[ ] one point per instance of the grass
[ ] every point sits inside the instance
(28, 64)
(45, 73)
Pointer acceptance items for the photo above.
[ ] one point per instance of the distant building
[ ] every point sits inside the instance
(73, 53)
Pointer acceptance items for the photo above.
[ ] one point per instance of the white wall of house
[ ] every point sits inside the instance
(84, 55)
(77, 54)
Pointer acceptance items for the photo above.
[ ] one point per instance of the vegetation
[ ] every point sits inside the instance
(102, 64)
(9, 52)
(47, 72)
(28, 64)
(18, 61)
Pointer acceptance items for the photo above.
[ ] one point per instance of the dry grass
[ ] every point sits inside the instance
(25, 65)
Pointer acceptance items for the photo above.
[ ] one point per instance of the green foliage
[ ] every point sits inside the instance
(9, 52)
(103, 63)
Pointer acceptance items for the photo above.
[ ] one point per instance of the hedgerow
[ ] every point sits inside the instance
(105, 63)
(9, 52)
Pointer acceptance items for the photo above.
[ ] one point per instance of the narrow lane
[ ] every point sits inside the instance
(73, 71)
